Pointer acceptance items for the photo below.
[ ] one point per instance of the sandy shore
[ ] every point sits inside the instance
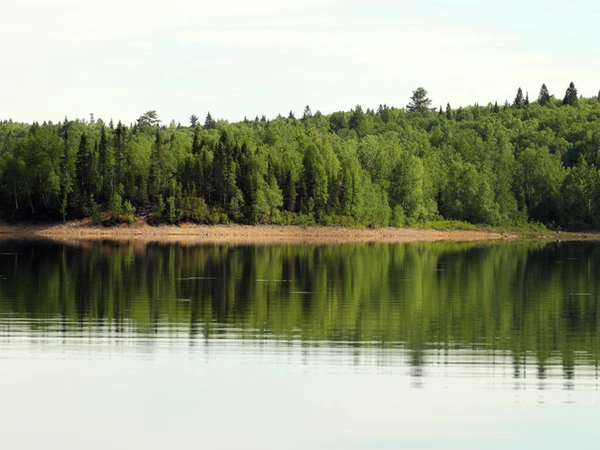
(242, 234)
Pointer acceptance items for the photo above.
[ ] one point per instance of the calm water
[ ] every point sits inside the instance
(106, 345)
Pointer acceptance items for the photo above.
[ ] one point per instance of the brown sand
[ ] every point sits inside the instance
(241, 234)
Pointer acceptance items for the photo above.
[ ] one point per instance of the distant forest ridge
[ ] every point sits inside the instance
(502, 165)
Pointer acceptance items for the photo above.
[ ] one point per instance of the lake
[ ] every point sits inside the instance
(362, 346)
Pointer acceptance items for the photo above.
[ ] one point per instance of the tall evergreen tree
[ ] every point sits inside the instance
(104, 163)
(119, 145)
(307, 114)
(83, 171)
(65, 185)
(156, 168)
(544, 96)
(209, 122)
(419, 102)
(570, 95)
(448, 111)
(519, 100)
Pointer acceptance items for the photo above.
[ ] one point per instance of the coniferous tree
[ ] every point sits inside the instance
(526, 101)
(419, 102)
(103, 162)
(65, 185)
(209, 122)
(307, 114)
(148, 118)
(156, 169)
(119, 146)
(193, 121)
(357, 118)
(83, 171)
(448, 111)
(544, 96)
(519, 98)
(496, 108)
(570, 95)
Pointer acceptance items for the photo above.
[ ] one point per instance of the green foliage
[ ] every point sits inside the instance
(570, 95)
(481, 164)
(419, 102)
(96, 211)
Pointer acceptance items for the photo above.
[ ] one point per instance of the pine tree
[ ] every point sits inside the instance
(193, 121)
(570, 95)
(419, 101)
(526, 102)
(544, 96)
(448, 111)
(496, 109)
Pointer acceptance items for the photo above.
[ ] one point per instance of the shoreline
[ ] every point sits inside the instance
(243, 234)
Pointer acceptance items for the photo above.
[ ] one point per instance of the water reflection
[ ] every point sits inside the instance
(531, 308)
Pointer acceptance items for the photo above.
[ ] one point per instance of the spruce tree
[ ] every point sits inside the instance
(209, 123)
(155, 176)
(64, 175)
(119, 145)
(104, 165)
(544, 96)
(448, 111)
(83, 170)
(307, 114)
(570, 95)
(519, 98)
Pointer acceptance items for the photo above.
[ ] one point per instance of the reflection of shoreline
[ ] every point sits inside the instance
(536, 301)
(244, 234)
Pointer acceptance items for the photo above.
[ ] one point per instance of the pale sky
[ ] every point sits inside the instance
(120, 58)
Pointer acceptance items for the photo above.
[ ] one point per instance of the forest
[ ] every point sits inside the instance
(503, 165)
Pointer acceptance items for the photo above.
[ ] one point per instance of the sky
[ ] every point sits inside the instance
(235, 58)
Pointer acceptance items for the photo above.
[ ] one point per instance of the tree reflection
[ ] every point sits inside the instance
(534, 301)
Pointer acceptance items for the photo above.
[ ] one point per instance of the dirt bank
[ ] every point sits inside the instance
(241, 234)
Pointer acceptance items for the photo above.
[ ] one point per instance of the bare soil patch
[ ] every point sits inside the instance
(241, 234)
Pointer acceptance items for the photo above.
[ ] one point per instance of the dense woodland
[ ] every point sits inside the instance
(502, 165)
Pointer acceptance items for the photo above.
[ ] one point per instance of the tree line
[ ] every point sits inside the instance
(503, 165)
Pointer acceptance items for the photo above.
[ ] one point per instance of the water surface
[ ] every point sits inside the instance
(425, 345)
